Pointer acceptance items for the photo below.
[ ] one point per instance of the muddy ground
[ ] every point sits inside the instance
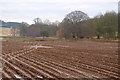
(59, 59)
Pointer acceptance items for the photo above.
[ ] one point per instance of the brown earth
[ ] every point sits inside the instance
(59, 59)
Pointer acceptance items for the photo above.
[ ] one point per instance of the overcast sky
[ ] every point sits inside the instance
(27, 10)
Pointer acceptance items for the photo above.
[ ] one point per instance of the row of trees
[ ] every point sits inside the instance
(76, 24)
(107, 25)
(39, 28)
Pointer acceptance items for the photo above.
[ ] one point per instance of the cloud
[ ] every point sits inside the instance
(27, 10)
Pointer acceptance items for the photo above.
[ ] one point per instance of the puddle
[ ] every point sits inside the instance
(40, 46)
(17, 76)
(39, 76)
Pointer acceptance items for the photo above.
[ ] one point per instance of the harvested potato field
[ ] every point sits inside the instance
(59, 59)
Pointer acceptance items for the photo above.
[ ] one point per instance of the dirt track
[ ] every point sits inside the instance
(60, 59)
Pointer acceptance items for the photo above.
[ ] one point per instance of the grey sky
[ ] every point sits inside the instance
(27, 10)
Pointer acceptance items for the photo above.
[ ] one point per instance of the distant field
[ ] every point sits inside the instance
(59, 59)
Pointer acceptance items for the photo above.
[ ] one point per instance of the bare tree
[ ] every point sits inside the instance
(76, 16)
(47, 22)
(37, 20)
(72, 24)
(56, 23)
(23, 29)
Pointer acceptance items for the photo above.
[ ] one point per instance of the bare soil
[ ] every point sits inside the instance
(59, 59)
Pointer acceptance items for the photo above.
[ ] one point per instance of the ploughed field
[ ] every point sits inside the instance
(59, 59)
